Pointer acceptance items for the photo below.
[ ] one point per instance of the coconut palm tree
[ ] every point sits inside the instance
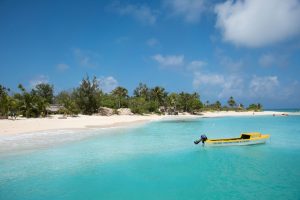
(142, 91)
(120, 93)
(4, 101)
(173, 99)
(231, 102)
(183, 99)
(158, 95)
(218, 105)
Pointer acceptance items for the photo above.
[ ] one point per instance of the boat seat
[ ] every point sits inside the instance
(245, 136)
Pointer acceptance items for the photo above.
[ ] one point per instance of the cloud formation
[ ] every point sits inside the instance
(169, 60)
(85, 58)
(190, 10)
(196, 65)
(263, 86)
(258, 23)
(107, 84)
(244, 87)
(142, 13)
(38, 80)
(207, 79)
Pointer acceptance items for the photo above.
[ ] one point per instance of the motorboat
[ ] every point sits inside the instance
(244, 139)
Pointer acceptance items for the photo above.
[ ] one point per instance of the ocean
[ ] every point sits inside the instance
(157, 160)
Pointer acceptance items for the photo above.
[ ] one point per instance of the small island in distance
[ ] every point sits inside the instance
(88, 99)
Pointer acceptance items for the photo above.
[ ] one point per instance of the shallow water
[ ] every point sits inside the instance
(160, 161)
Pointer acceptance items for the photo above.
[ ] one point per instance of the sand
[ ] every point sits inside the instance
(57, 122)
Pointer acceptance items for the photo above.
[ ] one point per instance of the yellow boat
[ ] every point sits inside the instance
(244, 139)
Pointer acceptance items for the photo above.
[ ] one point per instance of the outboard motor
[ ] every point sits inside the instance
(202, 139)
(197, 141)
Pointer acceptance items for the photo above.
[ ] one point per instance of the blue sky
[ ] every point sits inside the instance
(246, 49)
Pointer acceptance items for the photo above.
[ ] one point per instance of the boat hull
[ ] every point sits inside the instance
(234, 143)
(241, 142)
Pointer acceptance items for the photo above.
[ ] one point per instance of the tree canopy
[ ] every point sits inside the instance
(88, 97)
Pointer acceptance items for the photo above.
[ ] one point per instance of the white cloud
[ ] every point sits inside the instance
(152, 42)
(169, 60)
(229, 63)
(274, 59)
(142, 13)
(196, 65)
(219, 86)
(85, 58)
(62, 67)
(263, 86)
(243, 87)
(38, 80)
(207, 79)
(190, 10)
(257, 23)
(107, 84)
(233, 85)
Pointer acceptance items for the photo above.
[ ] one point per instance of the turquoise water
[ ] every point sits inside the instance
(160, 161)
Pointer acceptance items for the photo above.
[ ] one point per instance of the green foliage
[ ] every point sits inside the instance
(218, 105)
(27, 103)
(31, 104)
(138, 105)
(87, 96)
(108, 100)
(158, 95)
(142, 91)
(173, 100)
(231, 102)
(189, 102)
(45, 91)
(120, 95)
(255, 107)
(65, 99)
(4, 101)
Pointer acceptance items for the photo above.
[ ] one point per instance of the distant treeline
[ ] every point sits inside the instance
(88, 97)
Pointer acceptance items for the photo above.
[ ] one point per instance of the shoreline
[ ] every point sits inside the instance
(22, 135)
(56, 122)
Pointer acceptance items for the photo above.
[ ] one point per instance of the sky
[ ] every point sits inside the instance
(248, 49)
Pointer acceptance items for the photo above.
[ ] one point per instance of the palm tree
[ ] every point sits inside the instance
(28, 102)
(120, 93)
(218, 105)
(184, 98)
(259, 107)
(158, 95)
(231, 102)
(142, 91)
(4, 101)
(173, 100)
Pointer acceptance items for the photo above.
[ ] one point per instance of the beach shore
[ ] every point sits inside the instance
(57, 122)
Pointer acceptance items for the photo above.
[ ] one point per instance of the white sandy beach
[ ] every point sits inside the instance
(22, 125)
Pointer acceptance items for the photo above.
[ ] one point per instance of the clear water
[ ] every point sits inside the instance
(160, 161)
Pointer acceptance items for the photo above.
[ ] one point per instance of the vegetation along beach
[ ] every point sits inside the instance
(166, 99)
